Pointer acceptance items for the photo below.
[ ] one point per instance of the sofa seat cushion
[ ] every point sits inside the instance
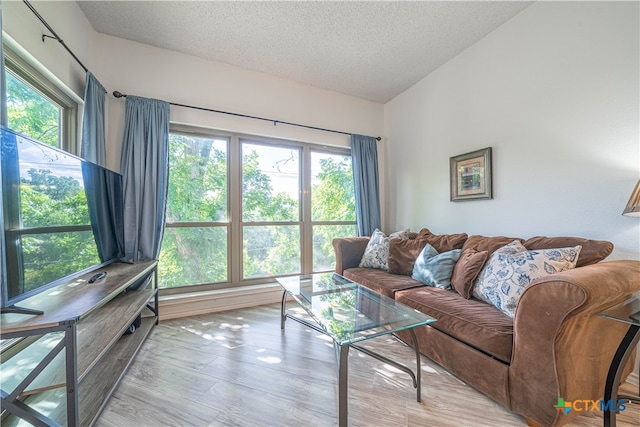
(469, 320)
(381, 281)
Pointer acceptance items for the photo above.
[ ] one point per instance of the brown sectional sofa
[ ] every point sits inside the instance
(555, 346)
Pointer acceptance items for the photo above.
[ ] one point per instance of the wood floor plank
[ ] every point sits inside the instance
(239, 369)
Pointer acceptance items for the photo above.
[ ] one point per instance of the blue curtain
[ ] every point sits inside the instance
(93, 143)
(3, 80)
(104, 197)
(364, 157)
(145, 170)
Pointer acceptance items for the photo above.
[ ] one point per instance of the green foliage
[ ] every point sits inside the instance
(31, 113)
(333, 199)
(47, 200)
(48, 257)
(197, 181)
(198, 193)
(258, 203)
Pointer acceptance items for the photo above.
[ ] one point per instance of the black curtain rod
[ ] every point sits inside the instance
(55, 36)
(275, 122)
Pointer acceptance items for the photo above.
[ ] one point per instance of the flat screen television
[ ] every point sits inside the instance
(62, 216)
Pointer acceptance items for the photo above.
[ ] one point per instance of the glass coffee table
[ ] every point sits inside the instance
(350, 313)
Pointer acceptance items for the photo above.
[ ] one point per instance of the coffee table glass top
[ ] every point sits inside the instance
(627, 311)
(349, 312)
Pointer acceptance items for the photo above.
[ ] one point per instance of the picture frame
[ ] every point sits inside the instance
(471, 176)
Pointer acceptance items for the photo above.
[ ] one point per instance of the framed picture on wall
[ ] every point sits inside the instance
(471, 175)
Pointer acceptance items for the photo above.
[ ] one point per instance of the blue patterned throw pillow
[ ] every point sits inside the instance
(376, 254)
(511, 248)
(509, 270)
(435, 269)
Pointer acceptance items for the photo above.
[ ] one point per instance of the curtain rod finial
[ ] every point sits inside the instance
(118, 94)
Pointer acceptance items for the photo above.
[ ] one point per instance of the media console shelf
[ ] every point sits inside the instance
(73, 356)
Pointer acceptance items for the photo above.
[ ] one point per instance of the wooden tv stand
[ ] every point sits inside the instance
(77, 351)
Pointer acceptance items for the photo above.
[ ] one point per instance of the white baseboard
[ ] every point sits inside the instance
(191, 304)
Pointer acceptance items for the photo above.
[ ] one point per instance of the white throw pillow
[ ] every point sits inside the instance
(376, 254)
(509, 271)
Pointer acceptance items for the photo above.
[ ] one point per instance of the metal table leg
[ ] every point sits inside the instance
(625, 349)
(418, 376)
(343, 386)
(283, 308)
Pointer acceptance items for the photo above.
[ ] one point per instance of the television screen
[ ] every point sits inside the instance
(62, 216)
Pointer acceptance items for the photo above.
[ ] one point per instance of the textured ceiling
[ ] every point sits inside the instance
(372, 50)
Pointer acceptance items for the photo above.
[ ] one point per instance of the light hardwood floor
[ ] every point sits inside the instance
(238, 369)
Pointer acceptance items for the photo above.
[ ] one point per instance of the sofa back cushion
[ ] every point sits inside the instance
(403, 254)
(489, 244)
(593, 251)
(443, 242)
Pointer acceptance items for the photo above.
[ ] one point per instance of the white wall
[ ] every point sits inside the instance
(555, 92)
(142, 70)
(72, 27)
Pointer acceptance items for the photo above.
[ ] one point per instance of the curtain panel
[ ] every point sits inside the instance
(105, 202)
(364, 157)
(145, 170)
(93, 140)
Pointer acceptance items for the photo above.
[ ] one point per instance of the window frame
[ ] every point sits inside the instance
(235, 223)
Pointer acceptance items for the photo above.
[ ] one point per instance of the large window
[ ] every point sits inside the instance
(37, 108)
(333, 205)
(270, 209)
(243, 210)
(195, 244)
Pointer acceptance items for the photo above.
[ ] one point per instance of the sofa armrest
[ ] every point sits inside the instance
(349, 251)
(561, 347)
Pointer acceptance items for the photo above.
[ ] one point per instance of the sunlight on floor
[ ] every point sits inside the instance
(428, 369)
(233, 327)
(270, 359)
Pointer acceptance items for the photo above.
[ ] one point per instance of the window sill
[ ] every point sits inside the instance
(195, 303)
